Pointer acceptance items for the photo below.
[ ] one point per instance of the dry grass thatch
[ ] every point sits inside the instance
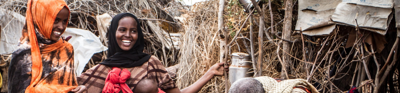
(199, 49)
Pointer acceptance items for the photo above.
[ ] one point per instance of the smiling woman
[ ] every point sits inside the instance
(126, 34)
(60, 24)
(126, 64)
(43, 62)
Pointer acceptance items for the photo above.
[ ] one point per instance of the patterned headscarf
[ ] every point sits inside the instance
(40, 16)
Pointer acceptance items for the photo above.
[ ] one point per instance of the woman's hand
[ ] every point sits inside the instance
(218, 69)
(215, 70)
(79, 89)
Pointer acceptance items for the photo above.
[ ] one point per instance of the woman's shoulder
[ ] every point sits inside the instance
(22, 48)
(94, 74)
(22, 53)
(154, 59)
(155, 63)
(99, 67)
(67, 44)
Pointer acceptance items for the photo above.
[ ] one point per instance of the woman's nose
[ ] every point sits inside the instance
(127, 34)
(60, 25)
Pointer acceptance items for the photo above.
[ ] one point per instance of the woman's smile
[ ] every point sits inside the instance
(126, 42)
(126, 34)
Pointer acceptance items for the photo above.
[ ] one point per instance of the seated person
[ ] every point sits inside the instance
(267, 84)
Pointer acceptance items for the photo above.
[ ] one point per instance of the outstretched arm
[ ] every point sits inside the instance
(216, 70)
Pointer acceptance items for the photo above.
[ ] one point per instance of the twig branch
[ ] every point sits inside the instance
(237, 32)
(379, 79)
(260, 37)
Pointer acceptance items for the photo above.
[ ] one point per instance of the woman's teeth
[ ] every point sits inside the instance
(57, 33)
(126, 42)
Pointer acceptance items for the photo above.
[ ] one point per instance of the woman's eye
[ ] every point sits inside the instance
(56, 21)
(121, 30)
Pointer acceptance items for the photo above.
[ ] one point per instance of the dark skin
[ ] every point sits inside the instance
(146, 86)
(59, 26)
(126, 36)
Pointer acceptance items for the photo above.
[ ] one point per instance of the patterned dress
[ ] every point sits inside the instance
(94, 78)
(58, 67)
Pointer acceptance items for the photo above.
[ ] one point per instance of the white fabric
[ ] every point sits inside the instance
(85, 44)
(11, 24)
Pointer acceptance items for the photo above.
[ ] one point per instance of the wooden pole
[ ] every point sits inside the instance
(251, 44)
(0, 32)
(381, 76)
(223, 41)
(260, 46)
(287, 29)
(260, 38)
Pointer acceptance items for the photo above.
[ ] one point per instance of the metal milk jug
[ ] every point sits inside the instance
(240, 66)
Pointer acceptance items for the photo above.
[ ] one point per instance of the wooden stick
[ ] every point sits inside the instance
(376, 61)
(365, 64)
(224, 39)
(280, 60)
(287, 28)
(163, 20)
(260, 37)
(359, 73)
(237, 32)
(304, 51)
(260, 46)
(252, 45)
(0, 32)
(386, 69)
(318, 53)
(354, 75)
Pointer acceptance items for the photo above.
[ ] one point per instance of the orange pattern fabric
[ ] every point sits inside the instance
(40, 16)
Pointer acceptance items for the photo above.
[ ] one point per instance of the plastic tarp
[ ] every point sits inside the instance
(315, 16)
(11, 30)
(397, 15)
(319, 17)
(103, 21)
(372, 15)
(85, 44)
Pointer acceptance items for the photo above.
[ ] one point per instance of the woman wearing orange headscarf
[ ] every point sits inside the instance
(43, 61)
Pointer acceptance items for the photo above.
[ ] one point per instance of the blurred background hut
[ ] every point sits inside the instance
(187, 39)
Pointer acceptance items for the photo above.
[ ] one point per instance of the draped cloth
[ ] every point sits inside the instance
(39, 64)
(94, 78)
(115, 81)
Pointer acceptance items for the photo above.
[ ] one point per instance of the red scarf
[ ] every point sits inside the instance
(115, 81)
(160, 91)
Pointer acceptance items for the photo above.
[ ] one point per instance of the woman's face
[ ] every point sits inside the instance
(126, 34)
(59, 24)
